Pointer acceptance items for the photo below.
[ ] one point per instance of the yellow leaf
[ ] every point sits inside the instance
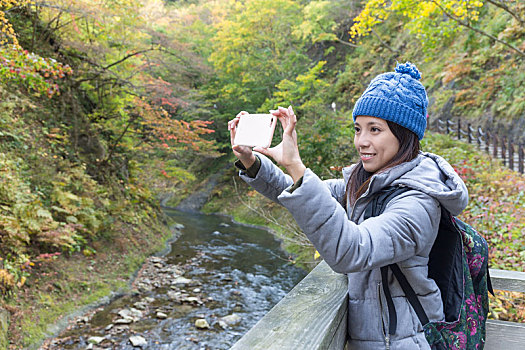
(22, 281)
(316, 255)
(88, 252)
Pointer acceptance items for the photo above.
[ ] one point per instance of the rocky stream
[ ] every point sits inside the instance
(217, 281)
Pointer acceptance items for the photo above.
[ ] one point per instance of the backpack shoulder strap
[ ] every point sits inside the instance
(374, 208)
(410, 294)
(379, 201)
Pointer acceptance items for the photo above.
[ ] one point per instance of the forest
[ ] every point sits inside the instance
(109, 107)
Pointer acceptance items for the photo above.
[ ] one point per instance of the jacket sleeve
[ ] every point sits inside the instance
(271, 181)
(406, 228)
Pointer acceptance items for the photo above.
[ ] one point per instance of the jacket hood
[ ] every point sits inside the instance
(428, 173)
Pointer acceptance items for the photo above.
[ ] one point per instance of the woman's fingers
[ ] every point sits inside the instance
(232, 132)
(292, 115)
(286, 116)
(284, 122)
(242, 150)
(278, 113)
(265, 151)
(232, 125)
(241, 113)
(288, 119)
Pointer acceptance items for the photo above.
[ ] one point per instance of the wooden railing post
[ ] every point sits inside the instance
(495, 146)
(480, 133)
(511, 155)
(504, 150)
(469, 133)
(459, 128)
(447, 126)
(520, 158)
(487, 142)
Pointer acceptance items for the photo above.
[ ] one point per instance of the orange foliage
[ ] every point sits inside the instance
(456, 70)
(165, 131)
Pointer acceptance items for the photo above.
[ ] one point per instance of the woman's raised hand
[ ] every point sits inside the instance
(287, 152)
(243, 153)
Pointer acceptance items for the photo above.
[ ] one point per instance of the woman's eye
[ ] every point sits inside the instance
(375, 129)
(357, 129)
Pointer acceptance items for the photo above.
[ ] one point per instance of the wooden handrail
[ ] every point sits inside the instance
(314, 316)
(512, 281)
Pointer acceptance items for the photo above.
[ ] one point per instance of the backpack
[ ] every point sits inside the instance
(458, 263)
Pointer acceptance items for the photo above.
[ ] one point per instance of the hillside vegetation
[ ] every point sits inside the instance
(107, 106)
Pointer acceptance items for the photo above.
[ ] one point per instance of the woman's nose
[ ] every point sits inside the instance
(363, 141)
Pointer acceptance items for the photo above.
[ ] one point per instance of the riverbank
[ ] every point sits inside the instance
(64, 286)
(60, 286)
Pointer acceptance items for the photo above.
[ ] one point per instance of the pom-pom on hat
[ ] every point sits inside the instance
(398, 97)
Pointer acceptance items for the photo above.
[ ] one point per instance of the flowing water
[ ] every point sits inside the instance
(216, 268)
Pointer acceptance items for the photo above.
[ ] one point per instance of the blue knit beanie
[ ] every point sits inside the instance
(398, 97)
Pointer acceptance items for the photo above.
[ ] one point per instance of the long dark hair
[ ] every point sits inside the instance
(408, 150)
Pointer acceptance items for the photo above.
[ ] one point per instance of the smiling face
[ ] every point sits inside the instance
(375, 142)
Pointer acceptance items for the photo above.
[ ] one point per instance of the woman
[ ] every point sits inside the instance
(390, 120)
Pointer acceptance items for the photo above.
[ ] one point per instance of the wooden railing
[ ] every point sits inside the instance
(314, 316)
(510, 152)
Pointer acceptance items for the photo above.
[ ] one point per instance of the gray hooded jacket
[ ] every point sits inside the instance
(404, 234)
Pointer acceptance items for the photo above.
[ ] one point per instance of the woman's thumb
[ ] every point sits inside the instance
(261, 150)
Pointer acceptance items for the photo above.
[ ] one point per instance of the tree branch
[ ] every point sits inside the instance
(346, 43)
(467, 25)
(507, 9)
(382, 41)
(106, 68)
(115, 144)
(128, 57)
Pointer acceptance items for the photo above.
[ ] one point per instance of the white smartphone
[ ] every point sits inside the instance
(255, 130)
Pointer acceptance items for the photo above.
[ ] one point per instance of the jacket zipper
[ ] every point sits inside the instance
(362, 196)
(353, 209)
(386, 335)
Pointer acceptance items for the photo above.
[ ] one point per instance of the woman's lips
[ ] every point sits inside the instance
(367, 156)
